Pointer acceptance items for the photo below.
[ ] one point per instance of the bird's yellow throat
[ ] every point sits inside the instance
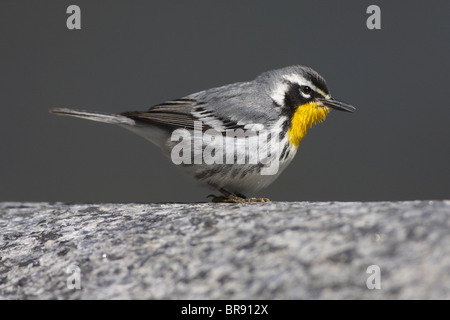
(304, 118)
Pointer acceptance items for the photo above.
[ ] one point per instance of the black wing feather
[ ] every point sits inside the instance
(172, 113)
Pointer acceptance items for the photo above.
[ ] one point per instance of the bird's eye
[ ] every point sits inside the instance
(306, 90)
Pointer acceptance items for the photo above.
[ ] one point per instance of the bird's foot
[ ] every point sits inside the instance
(235, 199)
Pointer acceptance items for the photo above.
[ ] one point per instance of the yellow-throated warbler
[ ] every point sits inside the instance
(236, 138)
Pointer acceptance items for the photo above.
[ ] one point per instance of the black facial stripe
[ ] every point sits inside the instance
(293, 98)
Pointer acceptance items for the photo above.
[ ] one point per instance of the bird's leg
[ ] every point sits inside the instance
(229, 197)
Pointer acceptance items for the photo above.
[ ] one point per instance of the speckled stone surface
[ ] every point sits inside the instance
(281, 250)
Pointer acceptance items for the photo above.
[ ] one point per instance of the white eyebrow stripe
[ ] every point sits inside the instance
(295, 78)
(279, 92)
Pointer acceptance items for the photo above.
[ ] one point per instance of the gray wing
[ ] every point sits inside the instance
(228, 107)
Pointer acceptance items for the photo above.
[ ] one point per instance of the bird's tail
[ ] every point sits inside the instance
(94, 116)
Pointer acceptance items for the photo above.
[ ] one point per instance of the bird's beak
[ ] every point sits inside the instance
(337, 105)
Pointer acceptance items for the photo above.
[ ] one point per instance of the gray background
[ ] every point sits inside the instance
(130, 55)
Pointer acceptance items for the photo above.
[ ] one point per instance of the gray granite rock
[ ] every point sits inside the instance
(278, 250)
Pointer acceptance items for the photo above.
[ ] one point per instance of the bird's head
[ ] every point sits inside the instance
(302, 95)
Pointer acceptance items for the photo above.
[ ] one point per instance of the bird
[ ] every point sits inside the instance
(237, 138)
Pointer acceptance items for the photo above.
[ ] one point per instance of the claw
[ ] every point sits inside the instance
(235, 199)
